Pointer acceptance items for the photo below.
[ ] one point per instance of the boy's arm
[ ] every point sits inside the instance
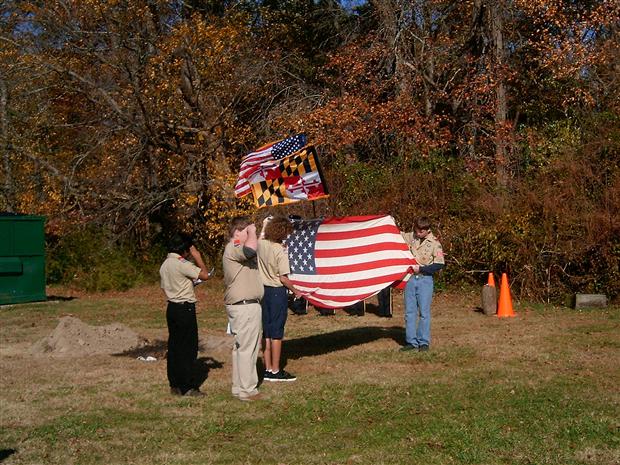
(252, 241)
(204, 273)
(289, 285)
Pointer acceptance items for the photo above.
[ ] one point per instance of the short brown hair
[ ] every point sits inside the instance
(238, 223)
(278, 229)
(422, 222)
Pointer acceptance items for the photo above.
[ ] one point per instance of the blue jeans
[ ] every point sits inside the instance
(418, 297)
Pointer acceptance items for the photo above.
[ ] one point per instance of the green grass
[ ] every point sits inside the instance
(464, 422)
(360, 402)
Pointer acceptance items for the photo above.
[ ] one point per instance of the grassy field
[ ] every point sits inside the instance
(541, 388)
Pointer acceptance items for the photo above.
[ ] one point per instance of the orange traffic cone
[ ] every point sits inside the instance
(491, 280)
(504, 308)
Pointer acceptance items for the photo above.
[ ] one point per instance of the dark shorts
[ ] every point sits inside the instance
(275, 311)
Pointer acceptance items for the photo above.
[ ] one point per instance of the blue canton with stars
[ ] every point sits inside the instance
(288, 146)
(300, 246)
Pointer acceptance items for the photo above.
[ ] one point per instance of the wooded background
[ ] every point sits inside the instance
(123, 120)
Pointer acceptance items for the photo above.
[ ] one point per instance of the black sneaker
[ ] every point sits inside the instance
(423, 348)
(268, 376)
(282, 375)
(408, 347)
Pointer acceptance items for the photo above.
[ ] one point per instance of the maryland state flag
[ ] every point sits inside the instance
(290, 179)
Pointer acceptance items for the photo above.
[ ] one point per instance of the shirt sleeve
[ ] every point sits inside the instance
(190, 270)
(237, 255)
(408, 237)
(430, 270)
(249, 252)
(283, 264)
(438, 256)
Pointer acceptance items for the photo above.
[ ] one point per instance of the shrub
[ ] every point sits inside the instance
(92, 259)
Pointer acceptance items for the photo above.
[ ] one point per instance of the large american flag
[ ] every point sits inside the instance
(266, 154)
(337, 262)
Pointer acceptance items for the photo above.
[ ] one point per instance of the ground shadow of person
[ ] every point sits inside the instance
(202, 366)
(156, 348)
(6, 453)
(320, 344)
(159, 349)
(60, 298)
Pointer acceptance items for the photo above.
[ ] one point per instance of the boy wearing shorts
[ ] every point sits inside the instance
(274, 269)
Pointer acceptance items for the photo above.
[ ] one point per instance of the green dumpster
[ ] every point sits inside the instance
(22, 258)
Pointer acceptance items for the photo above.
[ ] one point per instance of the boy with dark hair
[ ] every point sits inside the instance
(177, 281)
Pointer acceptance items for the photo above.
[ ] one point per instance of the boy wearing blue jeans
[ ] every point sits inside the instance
(428, 253)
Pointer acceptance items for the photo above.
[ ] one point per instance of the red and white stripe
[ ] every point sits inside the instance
(355, 258)
(249, 165)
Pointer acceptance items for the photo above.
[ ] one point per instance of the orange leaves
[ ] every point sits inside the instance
(570, 36)
(119, 104)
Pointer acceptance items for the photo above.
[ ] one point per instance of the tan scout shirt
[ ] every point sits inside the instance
(272, 262)
(241, 276)
(426, 251)
(176, 278)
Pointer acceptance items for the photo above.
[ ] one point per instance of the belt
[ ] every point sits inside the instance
(247, 302)
(182, 304)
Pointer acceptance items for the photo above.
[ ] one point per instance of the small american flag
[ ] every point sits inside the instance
(267, 153)
(338, 262)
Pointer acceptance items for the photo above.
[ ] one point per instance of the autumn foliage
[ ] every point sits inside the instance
(498, 119)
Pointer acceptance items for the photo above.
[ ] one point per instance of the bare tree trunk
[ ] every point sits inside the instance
(428, 55)
(9, 188)
(501, 111)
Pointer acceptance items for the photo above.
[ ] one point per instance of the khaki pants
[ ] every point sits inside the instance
(246, 326)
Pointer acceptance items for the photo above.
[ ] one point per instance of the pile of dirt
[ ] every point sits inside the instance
(74, 338)
(215, 343)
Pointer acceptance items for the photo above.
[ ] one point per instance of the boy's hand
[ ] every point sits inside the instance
(193, 251)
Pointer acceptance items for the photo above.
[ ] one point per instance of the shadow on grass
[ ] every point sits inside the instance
(59, 298)
(202, 366)
(321, 344)
(159, 349)
(156, 348)
(6, 453)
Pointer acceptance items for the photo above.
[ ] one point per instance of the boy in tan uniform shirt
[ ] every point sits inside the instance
(274, 269)
(242, 297)
(177, 281)
(428, 253)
